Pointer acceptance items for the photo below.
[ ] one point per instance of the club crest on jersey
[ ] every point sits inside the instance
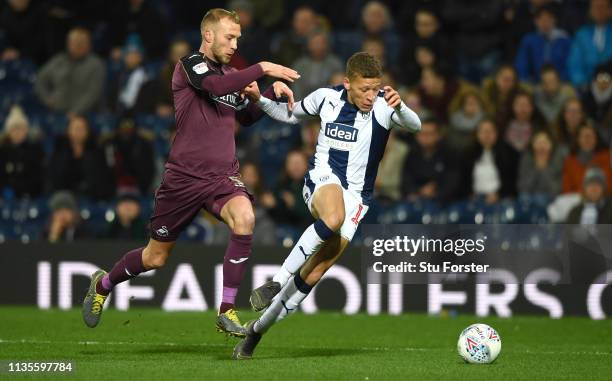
(200, 68)
(237, 181)
(340, 136)
(306, 196)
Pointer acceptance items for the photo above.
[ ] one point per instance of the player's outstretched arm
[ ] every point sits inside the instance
(281, 111)
(220, 85)
(406, 118)
(252, 113)
(279, 71)
(402, 115)
(201, 78)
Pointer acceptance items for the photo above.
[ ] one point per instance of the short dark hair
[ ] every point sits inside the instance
(487, 119)
(542, 131)
(506, 66)
(363, 64)
(523, 93)
(546, 8)
(217, 14)
(429, 10)
(431, 120)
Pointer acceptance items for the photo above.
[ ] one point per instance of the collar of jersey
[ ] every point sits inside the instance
(344, 95)
(344, 98)
(211, 63)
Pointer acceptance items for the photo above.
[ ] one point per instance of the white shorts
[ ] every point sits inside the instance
(354, 209)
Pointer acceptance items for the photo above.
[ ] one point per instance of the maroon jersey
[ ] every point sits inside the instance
(207, 104)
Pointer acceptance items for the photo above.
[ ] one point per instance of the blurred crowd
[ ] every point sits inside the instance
(515, 98)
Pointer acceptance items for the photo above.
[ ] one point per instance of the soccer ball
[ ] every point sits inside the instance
(479, 344)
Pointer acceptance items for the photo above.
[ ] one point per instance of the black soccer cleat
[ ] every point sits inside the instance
(262, 296)
(245, 348)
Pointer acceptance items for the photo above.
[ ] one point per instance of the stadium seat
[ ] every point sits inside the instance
(7, 232)
(154, 123)
(287, 235)
(30, 232)
(96, 214)
(38, 210)
(102, 123)
(22, 219)
(461, 212)
(431, 213)
(401, 213)
(17, 71)
(5, 211)
(17, 93)
(50, 123)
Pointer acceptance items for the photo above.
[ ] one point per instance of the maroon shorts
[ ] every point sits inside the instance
(180, 197)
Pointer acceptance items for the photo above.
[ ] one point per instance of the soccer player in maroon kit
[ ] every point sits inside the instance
(202, 169)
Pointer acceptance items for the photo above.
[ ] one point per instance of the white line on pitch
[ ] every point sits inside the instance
(26, 341)
(374, 349)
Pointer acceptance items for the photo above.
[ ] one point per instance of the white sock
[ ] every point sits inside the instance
(308, 244)
(283, 275)
(285, 303)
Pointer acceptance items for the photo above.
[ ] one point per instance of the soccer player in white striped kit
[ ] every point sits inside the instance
(356, 119)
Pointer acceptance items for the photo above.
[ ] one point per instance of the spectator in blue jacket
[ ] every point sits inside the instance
(592, 44)
(547, 45)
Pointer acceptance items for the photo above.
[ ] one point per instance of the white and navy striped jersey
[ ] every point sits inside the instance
(351, 143)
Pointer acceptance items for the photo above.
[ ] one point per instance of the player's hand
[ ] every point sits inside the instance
(392, 97)
(252, 91)
(280, 89)
(279, 71)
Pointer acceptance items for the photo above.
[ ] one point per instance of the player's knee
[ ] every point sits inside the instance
(158, 261)
(155, 258)
(334, 220)
(244, 222)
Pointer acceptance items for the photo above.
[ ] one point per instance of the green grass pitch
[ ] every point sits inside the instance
(148, 344)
